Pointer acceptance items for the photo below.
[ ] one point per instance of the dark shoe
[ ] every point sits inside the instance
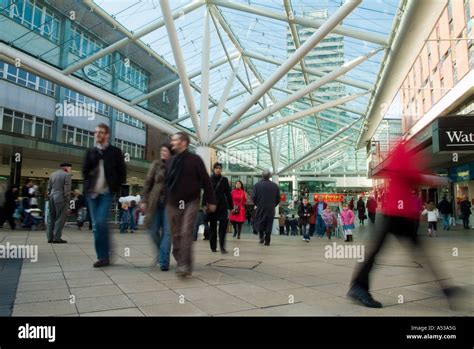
(164, 268)
(60, 241)
(223, 251)
(360, 295)
(131, 231)
(238, 237)
(267, 244)
(50, 241)
(262, 241)
(453, 295)
(101, 263)
(214, 250)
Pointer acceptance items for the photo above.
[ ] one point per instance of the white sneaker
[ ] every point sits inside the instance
(303, 239)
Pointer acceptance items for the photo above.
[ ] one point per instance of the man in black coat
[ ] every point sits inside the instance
(266, 196)
(11, 195)
(104, 171)
(221, 187)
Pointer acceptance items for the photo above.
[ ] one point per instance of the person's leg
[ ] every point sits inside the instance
(61, 211)
(268, 230)
(305, 231)
(156, 222)
(175, 216)
(239, 229)
(234, 226)
(213, 234)
(223, 224)
(435, 228)
(9, 217)
(165, 243)
(99, 210)
(188, 219)
(51, 220)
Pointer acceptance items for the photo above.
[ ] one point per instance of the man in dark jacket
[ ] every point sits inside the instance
(266, 196)
(446, 210)
(221, 187)
(11, 195)
(104, 171)
(186, 176)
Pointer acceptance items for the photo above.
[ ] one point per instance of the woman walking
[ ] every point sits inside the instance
(239, 199)
(154, 203)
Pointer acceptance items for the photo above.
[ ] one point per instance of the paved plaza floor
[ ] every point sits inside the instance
(288, 278)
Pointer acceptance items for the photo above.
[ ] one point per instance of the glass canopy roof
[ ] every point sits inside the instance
(256, 37)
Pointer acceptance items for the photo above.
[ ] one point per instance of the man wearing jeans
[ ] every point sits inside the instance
(103, 171)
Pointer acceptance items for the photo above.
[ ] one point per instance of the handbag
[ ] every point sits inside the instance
(236, 209)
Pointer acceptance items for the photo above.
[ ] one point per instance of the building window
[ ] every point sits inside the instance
(127, 119)
(24, 78)
(134, 150)
(132, 74)
(33, 16)
(84, 45)
(26, 124)
(89, 103)
(77, 136)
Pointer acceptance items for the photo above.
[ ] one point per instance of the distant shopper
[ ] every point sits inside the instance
(312, 222)
(433, 215)
(319, 207)
(153, 202)
(239, 199)
(465, 208)
(124, 218)
(59, 194)
(287, 225)
(351, 204)
(446, 211)
(133, 216)
(361, 211)
(266, 196)
(304, 212)
(104, 171)
(329, 218)
(281, 224)
(186, 176)
(221, 187)
(294, 225)
(372, 208)
(79, 208)
(27, 194)
(347, 220)
(9, 206)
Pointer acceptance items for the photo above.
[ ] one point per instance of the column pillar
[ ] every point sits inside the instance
(208, 155)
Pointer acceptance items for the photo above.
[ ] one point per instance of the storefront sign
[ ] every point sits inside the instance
(282, 197)
(462, 172)
(453, 134)
(329, 197)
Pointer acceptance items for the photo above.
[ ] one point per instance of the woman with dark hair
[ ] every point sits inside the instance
(239, 199)
(154, 203)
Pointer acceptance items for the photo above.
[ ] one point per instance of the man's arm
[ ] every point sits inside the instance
(50, 186)
(67, 187)
(149, 181)
(209, 196)
(230, 202)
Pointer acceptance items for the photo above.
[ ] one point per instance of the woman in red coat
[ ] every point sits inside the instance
(239, 199)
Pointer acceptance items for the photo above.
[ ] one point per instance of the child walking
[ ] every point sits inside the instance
(347, 218)
(433, 215)
(124, 218)
(328, 217)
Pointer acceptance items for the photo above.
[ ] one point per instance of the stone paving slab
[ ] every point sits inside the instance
(289, 278)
